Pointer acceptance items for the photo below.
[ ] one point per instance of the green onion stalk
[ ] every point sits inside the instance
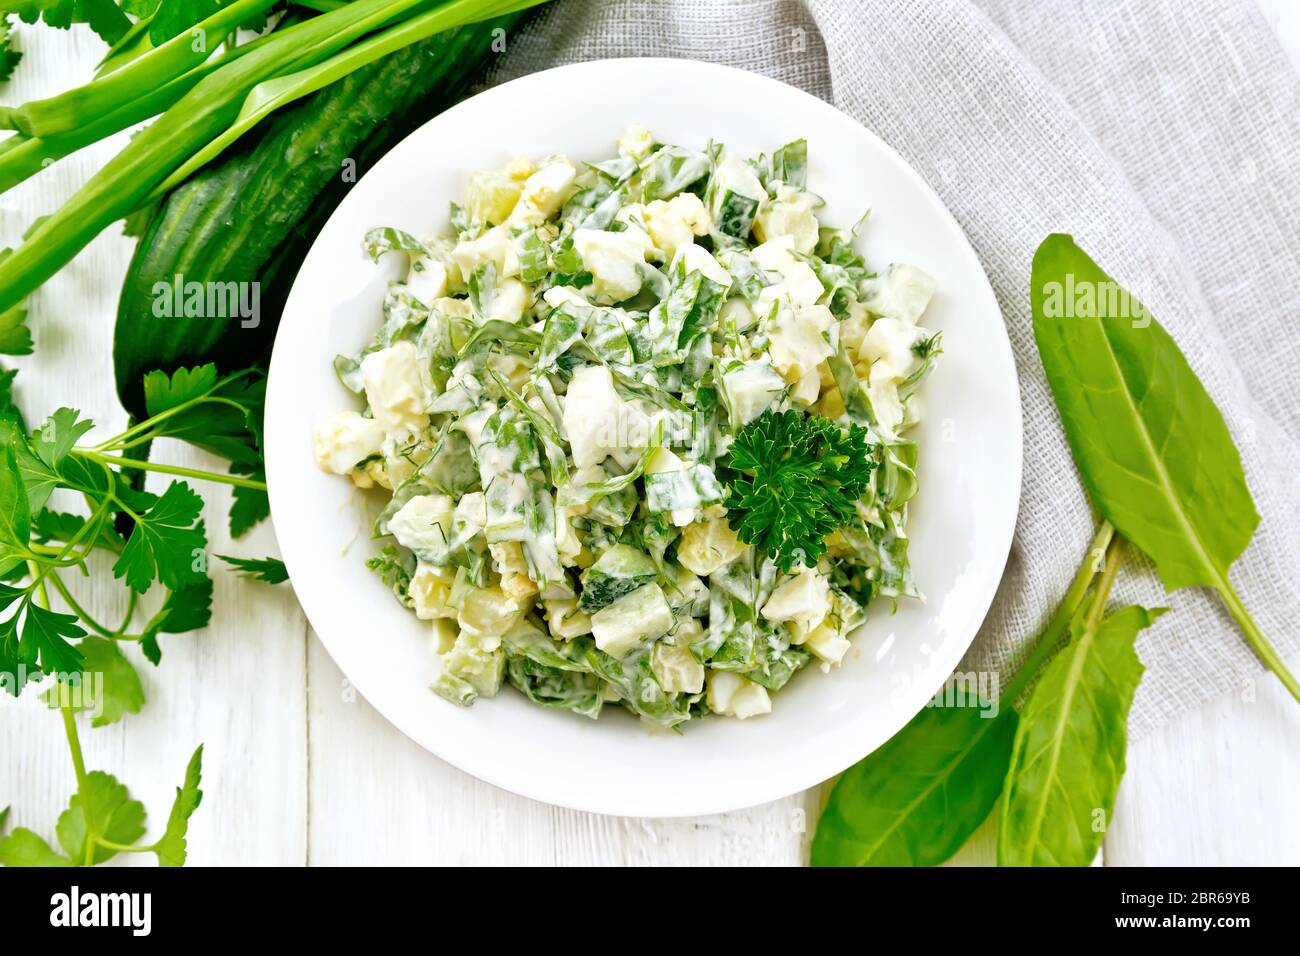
(218, 108)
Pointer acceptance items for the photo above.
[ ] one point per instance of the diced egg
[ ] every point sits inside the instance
(614, 260)
(789, 213)
(395, 389)
(731, 695)
(345, 440)
(676, 222)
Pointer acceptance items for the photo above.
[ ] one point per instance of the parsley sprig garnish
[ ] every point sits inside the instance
(793, 480)
(162, 547)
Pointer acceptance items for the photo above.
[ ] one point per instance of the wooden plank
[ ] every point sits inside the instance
(1217, 787)
(236, 686)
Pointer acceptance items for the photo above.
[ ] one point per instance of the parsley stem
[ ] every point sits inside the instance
(118, 462)
(1046, 643)
(45, 551)
(77, 608)
(79, 767)
(123, 847)
(153, 421)
(58, 557)
(120, 633)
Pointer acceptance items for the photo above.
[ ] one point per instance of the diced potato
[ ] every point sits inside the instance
(890, 341)
(698, 259)
(492, 196)
(687, 631)
(599, 422)
(519, 588)
(488, 612)
(807, 389)
(827, 643)
(677, 669)
(798, 341)
(473, 667)
(567, 544)
(565, 620)
(707, 545)
(802, 599)
(508, 557)
(429, 591)
(558, 295)
(546, 190)
(751, 388)
(510, 301)
(496, 245)
(427, 280)
(882, 390)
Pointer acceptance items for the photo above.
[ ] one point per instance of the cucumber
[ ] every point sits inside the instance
(251, 215)
(619, 571)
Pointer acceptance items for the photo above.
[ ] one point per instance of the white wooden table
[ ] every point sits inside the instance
(299, 769)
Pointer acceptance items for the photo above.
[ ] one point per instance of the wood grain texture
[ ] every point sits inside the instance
(298, 768)
(236, 686)
(1218, 788)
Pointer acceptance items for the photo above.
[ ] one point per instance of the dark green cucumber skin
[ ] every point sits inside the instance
(252, 214)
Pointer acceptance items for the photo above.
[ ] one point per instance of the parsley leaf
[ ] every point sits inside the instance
(9, 656)
(230, 428)
(25, 848)
(60, 526)
(15, 337)
(113, 814)
(54, 440)
(270, 570)
(248, 506)
(102, 16)
(174, 17)
(110, 689)
(172, 847)
(185, 609)
(15, 519)
(163, 392)
(45, 636)
(9, 58)
(11, 416)
(166, 541)
(793, 480)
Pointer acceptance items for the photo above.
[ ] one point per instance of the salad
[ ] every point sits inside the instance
(641, 426)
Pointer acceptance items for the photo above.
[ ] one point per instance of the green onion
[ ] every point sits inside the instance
(65, 112)
(23, 156)
(269, 96)
(216, 102)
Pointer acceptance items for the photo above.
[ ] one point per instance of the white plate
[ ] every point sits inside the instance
(961, 522)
